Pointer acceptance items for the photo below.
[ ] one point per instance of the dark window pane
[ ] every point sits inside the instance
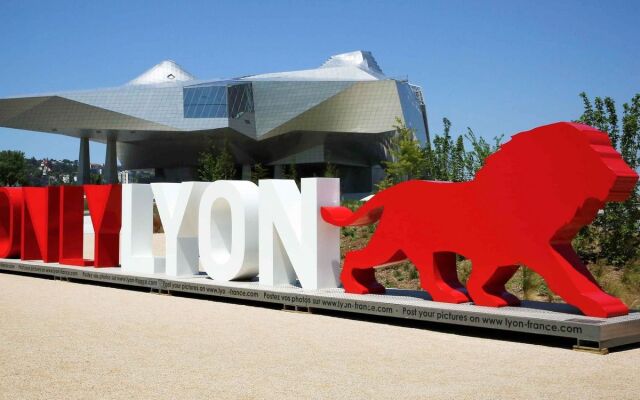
(205, 101)
(240, 99)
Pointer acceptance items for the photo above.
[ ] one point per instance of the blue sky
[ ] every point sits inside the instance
(496, 66)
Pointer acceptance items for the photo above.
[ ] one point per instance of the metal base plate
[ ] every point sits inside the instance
(551, 319)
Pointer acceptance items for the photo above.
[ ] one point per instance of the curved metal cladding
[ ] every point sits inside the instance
(341, 112)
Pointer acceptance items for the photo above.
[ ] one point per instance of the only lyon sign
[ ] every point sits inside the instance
(523, 207)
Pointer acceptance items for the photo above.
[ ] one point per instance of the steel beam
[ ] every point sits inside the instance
(110, 170)
(84, 166)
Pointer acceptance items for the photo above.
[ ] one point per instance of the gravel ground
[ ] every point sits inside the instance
(69, 340)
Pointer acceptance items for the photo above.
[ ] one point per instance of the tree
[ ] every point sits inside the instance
(217, 163)
(259, 172)
(331, 171)
(448, 160)
(480, 150)
(445, 159)
(33, 172)
(441, 155)
(613, 236)
(95, 179)
(407, 159)
(458, 164)
(291, 172)
(13, 168)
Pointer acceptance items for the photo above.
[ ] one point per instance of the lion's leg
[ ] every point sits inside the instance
(439, 277)
(567, 276)
(361, 281)
(358, 274)
(486, 285)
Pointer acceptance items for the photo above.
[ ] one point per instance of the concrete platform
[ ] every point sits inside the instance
(550, 319)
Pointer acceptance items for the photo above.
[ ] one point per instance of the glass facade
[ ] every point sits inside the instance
(205, 101)
(218, 100)
(240, 100)
(369, 106)
(280, 101)
(411, 111)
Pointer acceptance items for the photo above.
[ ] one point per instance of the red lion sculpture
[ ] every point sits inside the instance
(523, 207)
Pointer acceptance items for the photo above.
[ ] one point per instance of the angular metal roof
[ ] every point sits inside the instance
(353, 66)
(361, 59)
(166, 71)
(348, 93)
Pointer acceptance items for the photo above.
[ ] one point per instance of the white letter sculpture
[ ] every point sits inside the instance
(228, 230)
(178, 208)
(294, 239)
(136, 234)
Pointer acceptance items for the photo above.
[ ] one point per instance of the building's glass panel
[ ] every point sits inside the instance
(279, 102)
(240, 100)
(205, 101)
(219, 100)
(411, 111)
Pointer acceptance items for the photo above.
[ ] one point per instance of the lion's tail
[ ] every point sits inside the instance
(369, 213)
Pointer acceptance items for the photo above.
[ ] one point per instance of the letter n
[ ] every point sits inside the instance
(295, 242)
(40, 223)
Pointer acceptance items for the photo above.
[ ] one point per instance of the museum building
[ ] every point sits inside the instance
(341, 113)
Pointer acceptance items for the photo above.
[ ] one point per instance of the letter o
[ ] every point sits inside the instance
(228, 230)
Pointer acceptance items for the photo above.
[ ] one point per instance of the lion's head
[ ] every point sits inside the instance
(566, 168)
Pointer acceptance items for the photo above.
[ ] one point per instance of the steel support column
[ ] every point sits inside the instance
(84, 167)
(278, 172)
(110, 170)
(246, 172)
